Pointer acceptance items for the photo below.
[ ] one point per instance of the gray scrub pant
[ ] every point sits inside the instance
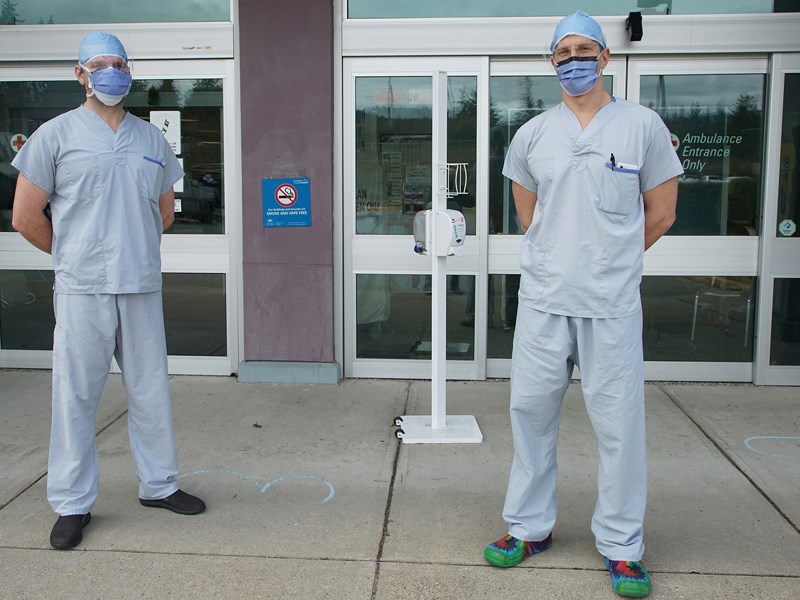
(608, 353)
(89, 330)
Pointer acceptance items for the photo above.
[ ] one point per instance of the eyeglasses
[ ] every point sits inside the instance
(586, 49)
(97, 64)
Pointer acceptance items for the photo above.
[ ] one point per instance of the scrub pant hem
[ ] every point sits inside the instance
(161, 496)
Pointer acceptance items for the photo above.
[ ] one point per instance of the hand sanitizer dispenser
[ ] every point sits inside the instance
(451, 229)
(422, 231)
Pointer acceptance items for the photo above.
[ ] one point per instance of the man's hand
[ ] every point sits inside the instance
(28, 216)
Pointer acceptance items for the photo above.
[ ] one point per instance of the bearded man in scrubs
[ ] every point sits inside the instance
(107, 176)
(595, 184)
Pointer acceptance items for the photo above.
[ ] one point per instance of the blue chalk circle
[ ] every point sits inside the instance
(261, 485)
(780, 439)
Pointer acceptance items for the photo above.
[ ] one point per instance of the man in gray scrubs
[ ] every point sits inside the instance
(594, 181)
(107, 176)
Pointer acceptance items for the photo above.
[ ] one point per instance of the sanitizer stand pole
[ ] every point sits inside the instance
(438, 427)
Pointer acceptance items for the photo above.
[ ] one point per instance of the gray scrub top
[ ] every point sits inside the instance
(582, 255)
(104, 188)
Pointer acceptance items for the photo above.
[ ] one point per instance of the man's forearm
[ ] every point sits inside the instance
(37, 229)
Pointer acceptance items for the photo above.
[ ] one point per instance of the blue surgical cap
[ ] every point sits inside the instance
(578, 23)
(98, 43)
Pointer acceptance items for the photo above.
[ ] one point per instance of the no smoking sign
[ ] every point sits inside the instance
(286, 202)
(286, 194)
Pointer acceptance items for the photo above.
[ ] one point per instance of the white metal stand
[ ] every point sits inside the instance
(438, 428)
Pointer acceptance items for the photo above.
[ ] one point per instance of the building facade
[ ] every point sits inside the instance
(347, 103)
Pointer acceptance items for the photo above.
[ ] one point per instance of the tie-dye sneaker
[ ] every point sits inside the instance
(629, 578)
(509, 551)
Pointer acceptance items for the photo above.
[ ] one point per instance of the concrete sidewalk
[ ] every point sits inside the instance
(311, 496)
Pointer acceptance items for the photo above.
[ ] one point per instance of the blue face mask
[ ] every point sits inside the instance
(577, 74)
(110, 85)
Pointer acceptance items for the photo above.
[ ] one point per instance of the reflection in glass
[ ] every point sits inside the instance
(24, 105)
(194, 314)
(197, 105)
(789, 176)
(394, 152)
(706, 319)
(382, 9)
(717, 126)
(513, 101)
(462, 145)
(48, 12)
(393, 317)
(785, 343)
(695, 319)
(26, 310)
(194, 107)
(503, 290)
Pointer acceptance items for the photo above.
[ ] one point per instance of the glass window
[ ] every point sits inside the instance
(785, 343)
(462, 145)
(190, 109)
(789, 177)
(394, 152)
(393, 317)
(26, 310)
(514, 100)
(706, 319)
(503, 291)
(194, 314)
(371, 9)
(33, 12)
(24, 105)
(717, 128)
(696, 319)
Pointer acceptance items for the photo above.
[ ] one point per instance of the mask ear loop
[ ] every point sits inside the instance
(88, 75)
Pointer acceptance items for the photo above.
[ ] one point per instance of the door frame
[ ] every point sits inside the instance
(778, 256)
(393, 254)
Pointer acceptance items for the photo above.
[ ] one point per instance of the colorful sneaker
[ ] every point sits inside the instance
(629, 578)
(509, 551)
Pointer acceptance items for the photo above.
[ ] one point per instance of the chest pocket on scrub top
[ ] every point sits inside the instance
(151, 176)
(619, 189)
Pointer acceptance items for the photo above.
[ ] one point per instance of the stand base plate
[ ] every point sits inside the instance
(458, 429)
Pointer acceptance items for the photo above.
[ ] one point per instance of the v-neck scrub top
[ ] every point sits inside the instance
(105, 189)
(582, 255)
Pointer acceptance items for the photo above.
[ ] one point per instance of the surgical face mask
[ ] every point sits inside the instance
(577, 74)
(109, 85)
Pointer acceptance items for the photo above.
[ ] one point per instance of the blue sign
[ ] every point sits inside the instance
(286, 202)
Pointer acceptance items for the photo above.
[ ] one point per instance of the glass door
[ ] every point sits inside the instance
(388, 173)
(699, 290)
(192, 102)
(778, 357)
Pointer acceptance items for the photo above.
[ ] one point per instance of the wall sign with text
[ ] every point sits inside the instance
(286, 202)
